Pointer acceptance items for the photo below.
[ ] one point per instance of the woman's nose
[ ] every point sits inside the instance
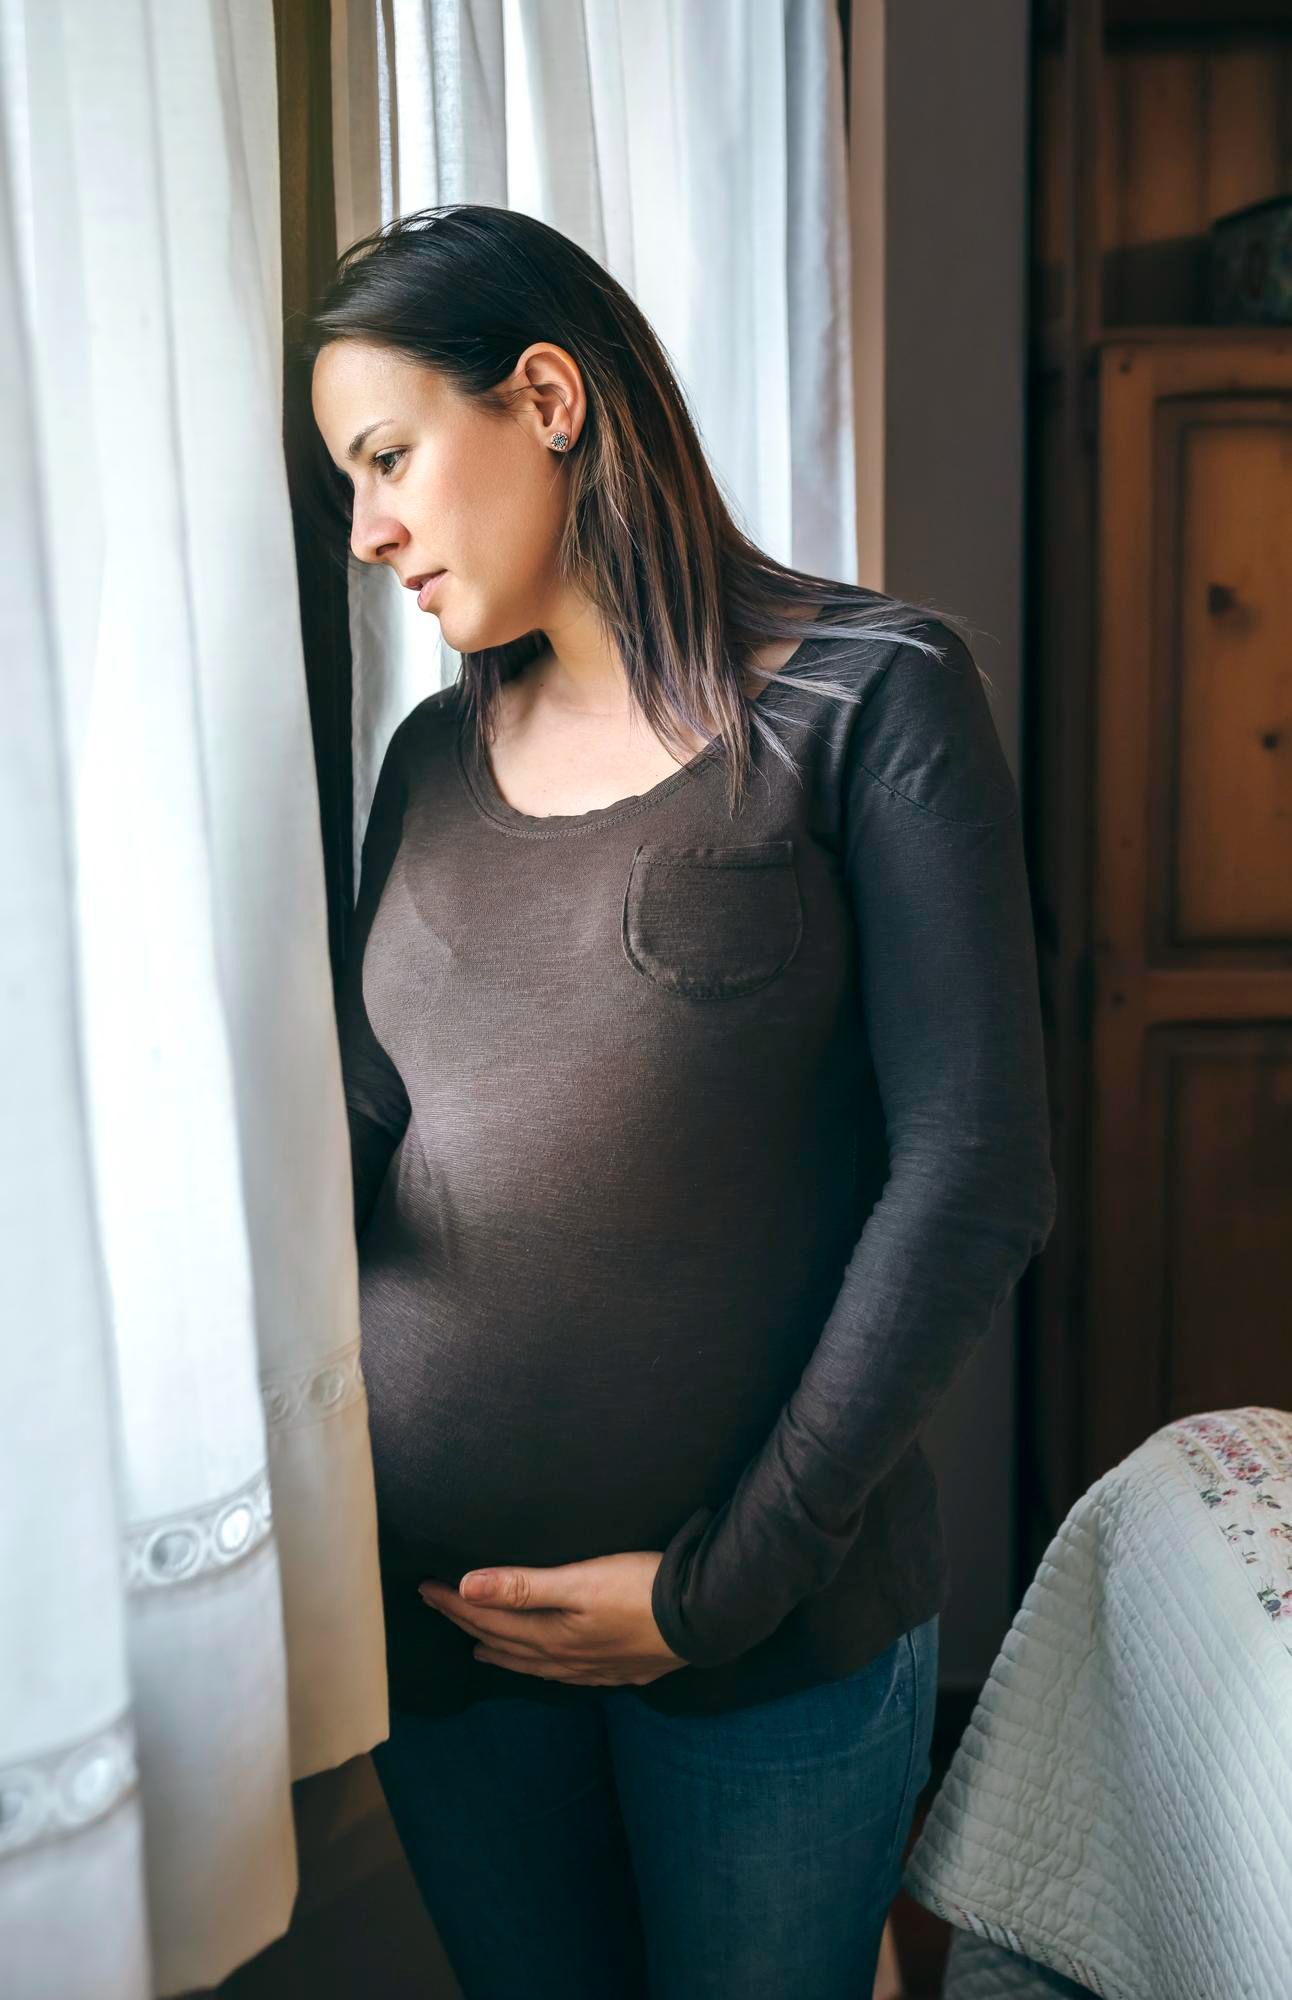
(372, 538)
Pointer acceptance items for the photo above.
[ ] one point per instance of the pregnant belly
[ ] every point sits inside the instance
(541, 1438)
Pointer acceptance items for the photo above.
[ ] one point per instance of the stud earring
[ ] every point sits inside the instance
(560, 440)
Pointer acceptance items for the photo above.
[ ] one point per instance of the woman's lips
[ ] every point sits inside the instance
(429, 588)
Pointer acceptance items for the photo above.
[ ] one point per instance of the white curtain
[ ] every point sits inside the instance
(189, 1608)
(696, 148)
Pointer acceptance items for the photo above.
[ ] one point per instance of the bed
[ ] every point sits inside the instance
(1117, 1818)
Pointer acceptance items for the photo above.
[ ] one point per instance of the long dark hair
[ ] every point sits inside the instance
(686, 597)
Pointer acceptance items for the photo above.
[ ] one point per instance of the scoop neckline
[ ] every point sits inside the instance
(478, 776)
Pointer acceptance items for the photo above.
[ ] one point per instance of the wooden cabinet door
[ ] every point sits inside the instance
(1190, 1271)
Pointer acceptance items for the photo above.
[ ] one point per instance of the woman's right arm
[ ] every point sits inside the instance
(377, 1103)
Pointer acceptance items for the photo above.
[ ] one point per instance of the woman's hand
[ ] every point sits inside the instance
(585, 1621)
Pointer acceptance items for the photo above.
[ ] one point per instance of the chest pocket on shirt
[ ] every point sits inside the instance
(711, 923)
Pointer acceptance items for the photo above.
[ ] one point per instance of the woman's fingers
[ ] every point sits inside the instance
(517, 1663)
(515, 1628)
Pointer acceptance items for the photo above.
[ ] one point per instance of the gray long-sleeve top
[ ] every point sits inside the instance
(693, 1157)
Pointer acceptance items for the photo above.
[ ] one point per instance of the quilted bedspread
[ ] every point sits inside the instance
(1117, 1818)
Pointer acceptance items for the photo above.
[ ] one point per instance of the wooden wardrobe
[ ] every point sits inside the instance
(1159, 739)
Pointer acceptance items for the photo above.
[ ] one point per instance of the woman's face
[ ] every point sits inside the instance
(440, 484)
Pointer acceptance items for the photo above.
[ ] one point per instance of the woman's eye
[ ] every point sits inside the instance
(380, 458)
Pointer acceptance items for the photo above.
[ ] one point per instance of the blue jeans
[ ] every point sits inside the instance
(616, 1853)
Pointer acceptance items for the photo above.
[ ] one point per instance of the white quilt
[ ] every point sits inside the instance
(1117, 1818)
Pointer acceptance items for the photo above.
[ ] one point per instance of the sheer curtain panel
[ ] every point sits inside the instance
(189, 1608)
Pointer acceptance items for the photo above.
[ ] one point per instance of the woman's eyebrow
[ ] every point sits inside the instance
(356, 444)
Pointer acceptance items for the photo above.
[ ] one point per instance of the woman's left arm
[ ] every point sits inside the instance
(933, 852)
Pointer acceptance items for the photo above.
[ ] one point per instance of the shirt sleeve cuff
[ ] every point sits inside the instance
(669, 1589)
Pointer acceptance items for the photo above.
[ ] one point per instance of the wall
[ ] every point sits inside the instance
(939, 163)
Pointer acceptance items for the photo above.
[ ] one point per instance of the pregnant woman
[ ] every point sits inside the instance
(692, 1050)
